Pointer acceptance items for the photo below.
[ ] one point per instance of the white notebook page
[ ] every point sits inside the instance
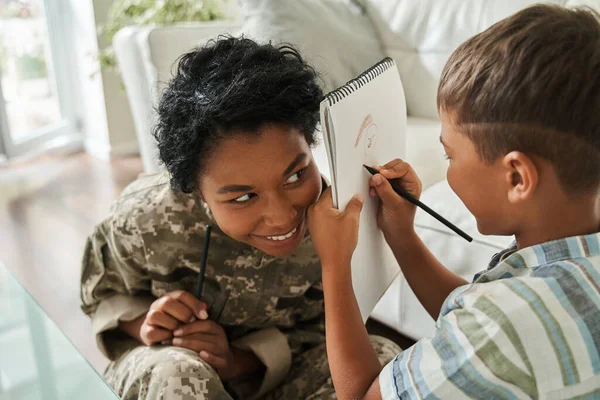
(369, 127)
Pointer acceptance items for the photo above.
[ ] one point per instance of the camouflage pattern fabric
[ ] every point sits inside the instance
(310, 379)
(151, 244)
(172, 373)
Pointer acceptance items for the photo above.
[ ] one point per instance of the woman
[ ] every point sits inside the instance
(235, 128)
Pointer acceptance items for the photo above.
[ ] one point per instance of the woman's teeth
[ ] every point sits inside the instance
(283, 237)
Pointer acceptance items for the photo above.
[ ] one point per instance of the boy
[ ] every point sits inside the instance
(519, 105)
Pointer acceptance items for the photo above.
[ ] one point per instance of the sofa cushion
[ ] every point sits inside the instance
(424, 152)
(335, 36)
(399, 307)
(421, 35)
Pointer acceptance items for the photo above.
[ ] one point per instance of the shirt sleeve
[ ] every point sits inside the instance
(276, 348)
(310, 330)
(114, 286)
(271, 347)
(470, 355)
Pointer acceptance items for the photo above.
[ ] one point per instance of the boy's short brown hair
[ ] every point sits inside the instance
(531, 83)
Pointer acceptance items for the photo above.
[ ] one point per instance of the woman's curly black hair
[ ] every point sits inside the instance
(229, 86)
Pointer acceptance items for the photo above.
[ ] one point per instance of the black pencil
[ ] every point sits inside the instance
(418, 203)
(200, 282)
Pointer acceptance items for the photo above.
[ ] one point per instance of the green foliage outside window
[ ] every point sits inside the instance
(31, 66)
(155, 12)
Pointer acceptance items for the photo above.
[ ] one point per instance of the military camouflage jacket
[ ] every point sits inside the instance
(151, 244)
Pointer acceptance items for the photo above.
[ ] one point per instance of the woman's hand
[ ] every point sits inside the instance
(208, 339)
(168, 313)
(396, 216)
(334, 233)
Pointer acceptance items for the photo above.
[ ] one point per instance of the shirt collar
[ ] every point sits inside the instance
(556, 250)
(511, 259)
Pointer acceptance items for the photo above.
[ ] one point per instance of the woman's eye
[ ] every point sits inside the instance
(296, 177)
(446, 156)
(242, 199)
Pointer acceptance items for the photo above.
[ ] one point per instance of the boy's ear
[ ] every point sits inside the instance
(522, 176)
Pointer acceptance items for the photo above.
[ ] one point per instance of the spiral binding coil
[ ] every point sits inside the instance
(358, 82)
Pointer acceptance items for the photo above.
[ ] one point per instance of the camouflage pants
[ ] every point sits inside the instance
(173, 373)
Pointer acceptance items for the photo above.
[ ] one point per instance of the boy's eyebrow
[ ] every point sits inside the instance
(442, 142)
(299, 158)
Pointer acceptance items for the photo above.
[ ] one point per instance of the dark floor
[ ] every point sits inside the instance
(47, 208)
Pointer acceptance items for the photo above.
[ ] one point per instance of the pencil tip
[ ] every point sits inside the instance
(371, 170)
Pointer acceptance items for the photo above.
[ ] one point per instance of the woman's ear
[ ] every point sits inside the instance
(204, 205)
(522, 176)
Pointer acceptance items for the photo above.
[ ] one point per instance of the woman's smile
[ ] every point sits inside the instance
(290, 239)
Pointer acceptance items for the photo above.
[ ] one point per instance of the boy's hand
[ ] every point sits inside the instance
(396, 216)
(334, 233)
(168, 313)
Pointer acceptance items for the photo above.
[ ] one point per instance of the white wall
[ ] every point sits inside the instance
(121, 131)
(107, 121)
(91, 92)
(108, 124)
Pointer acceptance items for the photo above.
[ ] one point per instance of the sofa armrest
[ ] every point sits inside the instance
(161, 47)
(138, 92)
(146, 58)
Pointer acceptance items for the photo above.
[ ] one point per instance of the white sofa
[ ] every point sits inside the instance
(342, 38)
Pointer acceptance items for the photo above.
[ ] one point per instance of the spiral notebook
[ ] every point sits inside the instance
(364, 122)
